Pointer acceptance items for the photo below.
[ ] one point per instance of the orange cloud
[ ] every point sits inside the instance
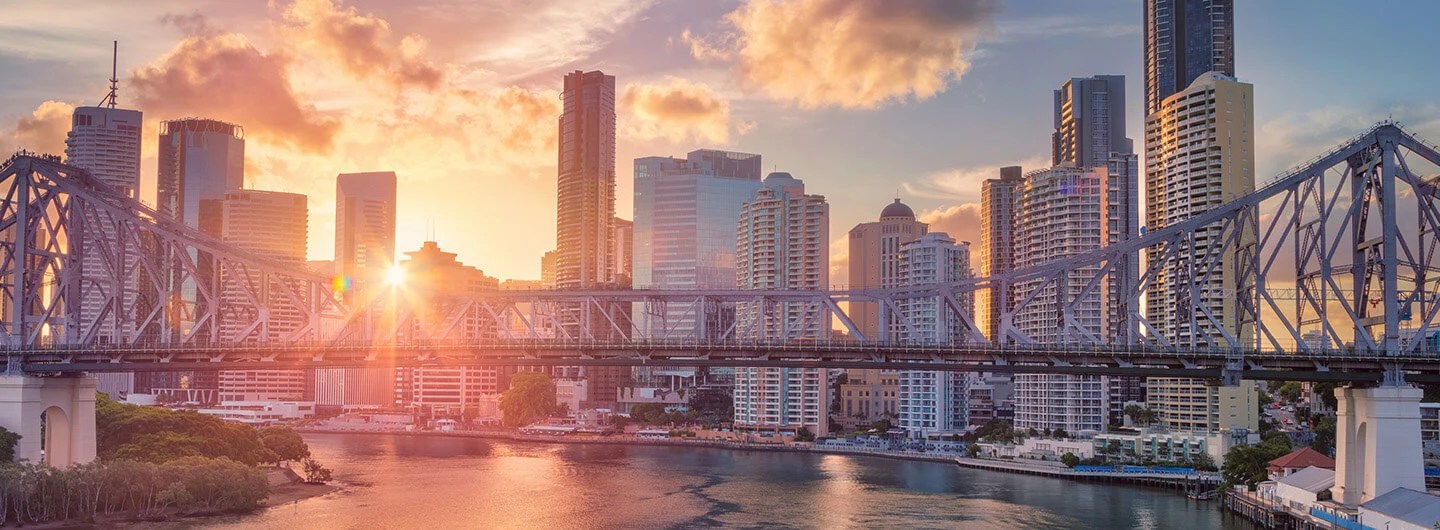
(961, 222)
(849, 53)
(364, 44)
(226, 77)
(44, 130)
(676, 111)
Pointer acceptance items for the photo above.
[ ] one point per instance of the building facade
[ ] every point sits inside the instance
(1059, 214)
(782, 242)
(199, 161)
(934, 403)
(1184, 39)
(1090, 121)
(105, 141)
(1199, 153)
(997, 244)
(685, 213)
(365, 209)
(585, 209)
(273, 225)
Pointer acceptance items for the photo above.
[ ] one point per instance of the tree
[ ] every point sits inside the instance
(1245, 464)
(804, 435)
(285, 443)
(1069, 459)
(1276, 441)
(880, 425)
(8, 440)
(1060, 433)
(1140, 415)
(531, 397)
(1324, 428)
(316, 473)
(1203, 462)
(972, 450)
(1290, 391)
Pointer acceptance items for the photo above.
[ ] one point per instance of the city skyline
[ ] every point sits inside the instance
(765, 114)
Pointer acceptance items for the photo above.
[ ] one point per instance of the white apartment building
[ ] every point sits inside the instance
(934, 403)
(1060, 214)
(1199, 154)
(783, 242)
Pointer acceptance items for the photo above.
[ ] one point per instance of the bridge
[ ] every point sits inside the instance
(1331, 275)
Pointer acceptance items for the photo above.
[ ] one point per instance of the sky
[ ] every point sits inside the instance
(865, 100)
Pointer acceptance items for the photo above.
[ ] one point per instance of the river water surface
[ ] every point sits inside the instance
(392, 481)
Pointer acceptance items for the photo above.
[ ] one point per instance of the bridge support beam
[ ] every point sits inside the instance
(1377, 442)
(66, 408)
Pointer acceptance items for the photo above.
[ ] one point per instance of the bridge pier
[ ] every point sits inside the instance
(1377, 442)
(66, 408)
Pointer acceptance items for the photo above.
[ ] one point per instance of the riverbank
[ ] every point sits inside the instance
(286, 487)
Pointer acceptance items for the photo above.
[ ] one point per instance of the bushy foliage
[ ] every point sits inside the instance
(531, 397)
(158, 435)
(285, 443)
(32, 493)
(316, 473)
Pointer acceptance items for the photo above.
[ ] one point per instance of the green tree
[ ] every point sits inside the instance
(1290, 391)
(1060, 434)
(7, 445)
(1324, 428)
(1069, 459)
(1140, 415)
(316, 473)
(803, 434)
(531, 397)
(1204, 462)
(285, 443)
(972, 450)
(1245, 464)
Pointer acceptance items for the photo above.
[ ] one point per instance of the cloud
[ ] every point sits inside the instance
(849, 53)
(44, 130)
(964, 183)
(226, 77)
(364, 44)
(677, 111)
(190, 25)
(961, 222)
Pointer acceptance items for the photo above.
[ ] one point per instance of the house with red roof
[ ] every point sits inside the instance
(1297, 460)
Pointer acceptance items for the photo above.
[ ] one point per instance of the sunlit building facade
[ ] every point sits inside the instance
(997, 243)
(782, 242)
(934, 403)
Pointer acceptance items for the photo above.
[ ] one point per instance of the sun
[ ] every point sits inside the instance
(395, 276)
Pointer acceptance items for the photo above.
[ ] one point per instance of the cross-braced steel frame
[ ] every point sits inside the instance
(1338, 253)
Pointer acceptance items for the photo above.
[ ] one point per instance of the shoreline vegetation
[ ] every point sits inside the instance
(154, 464)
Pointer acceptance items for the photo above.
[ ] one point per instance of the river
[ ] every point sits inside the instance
(394, 481)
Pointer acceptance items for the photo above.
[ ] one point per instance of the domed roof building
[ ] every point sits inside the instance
(897, 210)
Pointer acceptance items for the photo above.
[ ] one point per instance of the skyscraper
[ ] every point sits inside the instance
(1196, 161)
(1185, 39)
(272, 225)
(365, 208)
(585, 215)
(934, 403)
(1090, 121)
(686, 210)
(105, 141)
(364, 225)
(199, 161)
(1060, 214)
(782, 242)
(997, 244)
(624, 248)
(585, 211)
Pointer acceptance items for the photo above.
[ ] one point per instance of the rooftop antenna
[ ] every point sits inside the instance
(114, 79)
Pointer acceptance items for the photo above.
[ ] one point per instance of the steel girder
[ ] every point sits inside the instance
(158, 281)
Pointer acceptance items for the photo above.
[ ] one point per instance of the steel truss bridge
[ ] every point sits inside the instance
(1340, 250)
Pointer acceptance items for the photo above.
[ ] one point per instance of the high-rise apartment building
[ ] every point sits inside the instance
(547, 269)
(585, 252)
(997, 244)
(624, 259)
(1090, 121)
(934, 403)
(782, 242)
(105, 141)
(272, 225)
(686, 210)
(584, 245)
(1060, 215)
(199, 161)
(1200, 153)
(1185, 39)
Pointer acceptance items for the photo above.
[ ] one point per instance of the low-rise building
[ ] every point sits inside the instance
(261, 413)
(1430, 429)
(571, 392)
(1164, 446)
(1299, 459)
(1401, 509)
(1299, 491)
(672, 399)
(1038, 449)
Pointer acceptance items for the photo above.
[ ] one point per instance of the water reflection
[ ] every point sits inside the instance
(410, 481)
